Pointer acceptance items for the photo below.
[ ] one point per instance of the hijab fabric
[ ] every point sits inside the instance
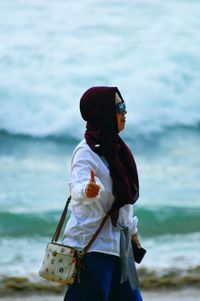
(97, 106)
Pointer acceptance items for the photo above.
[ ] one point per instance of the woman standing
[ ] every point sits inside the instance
(103, 179)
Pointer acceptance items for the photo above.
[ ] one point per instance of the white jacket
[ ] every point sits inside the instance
(86, 213)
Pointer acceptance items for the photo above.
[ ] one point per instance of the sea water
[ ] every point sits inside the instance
(50, 53)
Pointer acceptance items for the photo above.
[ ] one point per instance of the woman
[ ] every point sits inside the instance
(103, 179)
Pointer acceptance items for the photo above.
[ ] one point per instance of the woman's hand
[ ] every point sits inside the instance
(92, 189)
(136, 240)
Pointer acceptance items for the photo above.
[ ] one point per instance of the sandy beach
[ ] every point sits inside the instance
(169, 287)
(164, 295)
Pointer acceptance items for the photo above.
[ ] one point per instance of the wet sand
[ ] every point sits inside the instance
(164, 295)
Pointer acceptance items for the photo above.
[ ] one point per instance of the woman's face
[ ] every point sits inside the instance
(121, 112)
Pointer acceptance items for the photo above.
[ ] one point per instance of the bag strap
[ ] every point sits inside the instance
(96, 233)
(61, 222)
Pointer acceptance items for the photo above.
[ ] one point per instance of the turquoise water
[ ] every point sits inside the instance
(50, 53)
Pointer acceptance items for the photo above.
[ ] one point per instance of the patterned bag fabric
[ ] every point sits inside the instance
(60, 263)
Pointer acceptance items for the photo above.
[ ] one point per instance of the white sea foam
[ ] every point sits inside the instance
(173, 254)
(52, 51)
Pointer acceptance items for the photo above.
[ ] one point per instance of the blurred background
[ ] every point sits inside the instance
(50, 53)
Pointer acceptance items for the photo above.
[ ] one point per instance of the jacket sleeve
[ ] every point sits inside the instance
(132, 221)
(83, 161)
(128, 219)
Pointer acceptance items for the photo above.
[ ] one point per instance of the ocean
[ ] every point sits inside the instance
(50, 53)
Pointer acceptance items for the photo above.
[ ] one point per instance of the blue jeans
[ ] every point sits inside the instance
(100, 281)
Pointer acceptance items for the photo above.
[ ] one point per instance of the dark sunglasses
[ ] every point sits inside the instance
(121, 107)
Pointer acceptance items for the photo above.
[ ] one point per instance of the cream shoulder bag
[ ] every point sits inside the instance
(61, 263)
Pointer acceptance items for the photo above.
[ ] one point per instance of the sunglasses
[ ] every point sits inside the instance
(121, 107)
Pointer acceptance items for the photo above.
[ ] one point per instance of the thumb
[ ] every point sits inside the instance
(92, 178)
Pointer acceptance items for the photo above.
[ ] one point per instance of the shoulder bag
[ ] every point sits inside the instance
(61, 263)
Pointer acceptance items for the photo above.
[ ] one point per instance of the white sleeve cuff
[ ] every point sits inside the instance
(132, 225)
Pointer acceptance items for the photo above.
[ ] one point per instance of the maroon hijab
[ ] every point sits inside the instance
(97, 106)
